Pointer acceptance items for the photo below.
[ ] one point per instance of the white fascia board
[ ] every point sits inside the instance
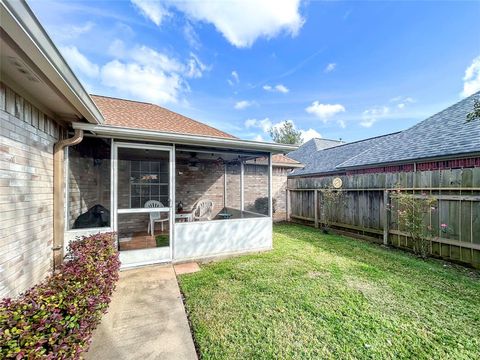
(19, 22)
(184, 139)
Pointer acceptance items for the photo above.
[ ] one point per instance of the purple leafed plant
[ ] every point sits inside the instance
(55, 319)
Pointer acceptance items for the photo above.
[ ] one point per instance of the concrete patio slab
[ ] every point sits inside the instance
(146, 319)
(186, 268)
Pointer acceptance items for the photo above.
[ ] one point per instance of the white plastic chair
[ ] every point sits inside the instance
(155, 216)
(203, 210)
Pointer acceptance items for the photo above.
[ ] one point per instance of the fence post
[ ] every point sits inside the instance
(386, 217)
(288, 205)
(315, 203)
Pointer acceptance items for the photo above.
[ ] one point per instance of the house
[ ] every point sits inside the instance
(73, 164)
(444, 140)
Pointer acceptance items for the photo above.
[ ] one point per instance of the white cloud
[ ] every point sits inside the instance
(371, 116)
(152, 10)
(471, 80)
(191, 36)
(330, 67)
(401, 102)
(324, 111)
(277, 88)
(79, 62)
(235, 76)
(242, 22)
(149, 57)
(282, 88)
(117, 48)
(342, 123)
(240, 105)
(310, 134)
(195, 67)
(142, 81)
(264, 124)
(258, 138)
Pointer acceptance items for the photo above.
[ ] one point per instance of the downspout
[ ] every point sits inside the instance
(59, 195)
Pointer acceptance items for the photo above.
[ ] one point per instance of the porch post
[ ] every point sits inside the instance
(224, 184)
(242, 171)
(173, 204)
(270, 202)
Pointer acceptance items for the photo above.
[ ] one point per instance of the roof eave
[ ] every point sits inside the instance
(184, 139)
(20, 24)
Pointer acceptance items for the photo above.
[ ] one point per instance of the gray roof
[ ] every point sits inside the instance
(307, 150)
(442, 135)
(326, 160)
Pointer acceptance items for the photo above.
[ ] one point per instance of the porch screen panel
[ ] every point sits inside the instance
(88, 184)
(143, 175)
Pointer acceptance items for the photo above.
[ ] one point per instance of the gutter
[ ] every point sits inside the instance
(184, 139)
(59, 195)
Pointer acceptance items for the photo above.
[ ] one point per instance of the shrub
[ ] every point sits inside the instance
(55, 319)
(412, 211)
(261, 205)
(330, 200)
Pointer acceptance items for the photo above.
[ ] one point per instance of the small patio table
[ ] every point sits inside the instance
(184, 216)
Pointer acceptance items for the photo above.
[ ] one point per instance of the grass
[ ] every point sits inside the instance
(162, 240)
(326, 296)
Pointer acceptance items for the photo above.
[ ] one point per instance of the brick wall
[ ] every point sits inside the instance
(256, 185)
(27, 136)
(208, 183)
(205, 183)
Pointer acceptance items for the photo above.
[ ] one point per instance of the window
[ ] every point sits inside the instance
(148, 181)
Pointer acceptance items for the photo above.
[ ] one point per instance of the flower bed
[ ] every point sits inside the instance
(56, 318)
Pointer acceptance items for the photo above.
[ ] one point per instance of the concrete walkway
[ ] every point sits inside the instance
(146, 319)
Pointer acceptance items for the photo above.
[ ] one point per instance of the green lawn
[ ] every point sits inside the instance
(325, 296)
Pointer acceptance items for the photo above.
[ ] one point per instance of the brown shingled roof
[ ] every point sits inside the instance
(283, 159)
(279, 160)
(140, 115)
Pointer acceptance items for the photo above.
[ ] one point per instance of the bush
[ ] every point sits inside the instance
(55, 319)
(261, 205)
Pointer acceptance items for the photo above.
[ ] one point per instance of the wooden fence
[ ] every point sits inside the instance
(361, 208)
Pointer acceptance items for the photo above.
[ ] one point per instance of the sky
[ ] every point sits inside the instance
(337, 69)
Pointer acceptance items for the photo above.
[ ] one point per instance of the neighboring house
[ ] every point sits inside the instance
(73, 164)
(444, 140)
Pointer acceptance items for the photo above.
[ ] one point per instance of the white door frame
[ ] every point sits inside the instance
(171, 189)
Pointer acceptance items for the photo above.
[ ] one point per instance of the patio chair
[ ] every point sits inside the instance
(155, 216)
(203, 210)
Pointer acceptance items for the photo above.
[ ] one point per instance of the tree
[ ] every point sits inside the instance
(475, 114)
(286, 134)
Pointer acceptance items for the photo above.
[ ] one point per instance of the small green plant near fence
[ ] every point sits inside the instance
(413, 212)
(331, 199)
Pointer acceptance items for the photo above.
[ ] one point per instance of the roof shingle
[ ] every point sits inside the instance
(444, 134)
(326, 160)
(140, 115)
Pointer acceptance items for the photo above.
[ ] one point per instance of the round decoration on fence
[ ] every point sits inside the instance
(337, 183)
